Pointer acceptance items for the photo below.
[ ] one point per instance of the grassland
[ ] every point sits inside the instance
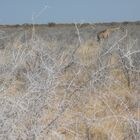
(58, 83)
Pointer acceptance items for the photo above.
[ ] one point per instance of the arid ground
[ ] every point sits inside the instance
(58, 82)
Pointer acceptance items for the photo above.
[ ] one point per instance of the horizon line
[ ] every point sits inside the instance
(67, 23)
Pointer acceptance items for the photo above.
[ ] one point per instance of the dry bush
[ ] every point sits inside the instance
(48, 92)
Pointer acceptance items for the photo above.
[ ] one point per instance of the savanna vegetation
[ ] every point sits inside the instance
(68, 86)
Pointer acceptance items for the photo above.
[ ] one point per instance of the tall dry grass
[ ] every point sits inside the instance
(50, 93)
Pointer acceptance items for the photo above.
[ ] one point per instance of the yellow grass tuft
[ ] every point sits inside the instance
(88, 51)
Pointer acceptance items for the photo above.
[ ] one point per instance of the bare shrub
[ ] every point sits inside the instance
(50, 92)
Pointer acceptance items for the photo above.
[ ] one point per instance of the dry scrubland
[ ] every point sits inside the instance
(59, 83)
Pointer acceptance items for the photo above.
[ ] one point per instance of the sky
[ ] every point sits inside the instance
(68, 11)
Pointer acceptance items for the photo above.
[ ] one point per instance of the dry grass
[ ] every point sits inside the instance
(41, 98)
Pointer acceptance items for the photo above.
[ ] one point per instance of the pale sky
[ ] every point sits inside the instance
(68, 11)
